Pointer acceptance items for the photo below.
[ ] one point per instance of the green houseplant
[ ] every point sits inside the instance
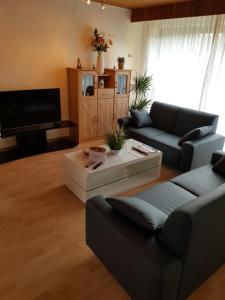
(140, 88)
(121, 62)
(115, 139)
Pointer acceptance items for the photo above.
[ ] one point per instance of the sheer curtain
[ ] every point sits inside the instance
(187, 59)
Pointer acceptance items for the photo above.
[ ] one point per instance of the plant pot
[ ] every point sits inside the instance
(100, 63)
(121, 65)
(114, 152)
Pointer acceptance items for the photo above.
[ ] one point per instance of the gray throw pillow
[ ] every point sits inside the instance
(141, 118)
(139, 211)
(195, 134)
(219, 167)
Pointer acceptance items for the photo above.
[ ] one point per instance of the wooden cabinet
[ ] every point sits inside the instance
(88, 119)
(87, 85)
(122, 84)
(105, 115)
(105, 93)
(96, 109)
(120, 107)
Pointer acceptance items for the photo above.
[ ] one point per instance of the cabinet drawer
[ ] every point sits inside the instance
(105, 93)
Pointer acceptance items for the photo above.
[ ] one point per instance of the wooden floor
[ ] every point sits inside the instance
(43, 255)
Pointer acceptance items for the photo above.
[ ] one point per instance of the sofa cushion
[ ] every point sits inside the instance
(219, 167)
(168, 144)
(141, 118)
(164, 116)
(199, 181)
(189, 119)
(195, 134)
(168, 139)
(146, 133)
(139, 211)
(166, 196)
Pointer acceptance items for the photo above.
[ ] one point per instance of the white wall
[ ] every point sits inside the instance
(40, 38)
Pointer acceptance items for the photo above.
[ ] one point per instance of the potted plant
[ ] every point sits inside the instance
(115, 139)
(140, 88)
(121, 61)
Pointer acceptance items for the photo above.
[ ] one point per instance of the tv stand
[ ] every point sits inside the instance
(31, 140)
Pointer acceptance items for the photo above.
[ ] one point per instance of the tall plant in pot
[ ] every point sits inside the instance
(100, 43)
(115, 139)
(140, 88)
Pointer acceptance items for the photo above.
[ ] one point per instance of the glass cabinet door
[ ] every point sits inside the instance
(88, 85)
(122, 87)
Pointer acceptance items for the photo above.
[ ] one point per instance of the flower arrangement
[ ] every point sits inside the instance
(100, 41)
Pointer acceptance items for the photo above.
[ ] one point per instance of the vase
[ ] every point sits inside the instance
(100, 62)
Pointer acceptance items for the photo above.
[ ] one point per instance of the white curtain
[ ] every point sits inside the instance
(187, 60)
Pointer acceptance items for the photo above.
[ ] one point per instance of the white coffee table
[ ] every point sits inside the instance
(120, 173)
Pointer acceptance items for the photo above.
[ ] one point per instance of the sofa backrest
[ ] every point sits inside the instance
(164, 116)
(195, 232)
(179, 120)
(189, 119)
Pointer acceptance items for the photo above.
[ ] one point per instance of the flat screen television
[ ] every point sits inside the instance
(29, 107)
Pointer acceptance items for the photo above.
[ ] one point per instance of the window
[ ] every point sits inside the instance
(187, 59)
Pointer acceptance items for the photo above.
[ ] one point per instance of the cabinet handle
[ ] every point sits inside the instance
(95, 119)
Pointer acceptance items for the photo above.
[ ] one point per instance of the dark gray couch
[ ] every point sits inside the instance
(171, 263)
(170, 123)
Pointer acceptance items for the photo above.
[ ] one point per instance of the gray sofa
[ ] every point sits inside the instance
(170, 123)
(170, 263)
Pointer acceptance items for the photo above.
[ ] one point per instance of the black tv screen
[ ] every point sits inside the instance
(29, 107)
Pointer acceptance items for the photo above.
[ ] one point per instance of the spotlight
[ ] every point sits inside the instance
(103, 6)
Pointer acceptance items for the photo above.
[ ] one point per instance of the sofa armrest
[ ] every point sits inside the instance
(125, 122)
(195, 232)
(216, 156)
(198, 153)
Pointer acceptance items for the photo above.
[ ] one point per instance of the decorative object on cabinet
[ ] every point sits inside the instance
(95, 109)
(100, 62)
(101, 83)
(79, 65)
(140, 87)
(121, 62)
(115, 139)
(100, 43)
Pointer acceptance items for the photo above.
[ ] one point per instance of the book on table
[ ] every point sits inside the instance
(144, 149)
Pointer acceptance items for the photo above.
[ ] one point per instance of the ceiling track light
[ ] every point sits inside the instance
(103, 7)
